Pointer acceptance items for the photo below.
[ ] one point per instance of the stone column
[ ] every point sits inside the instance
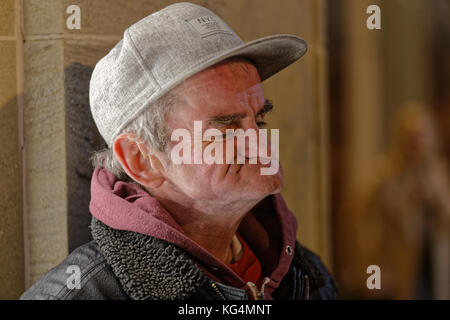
(44, 133)
(11, 219)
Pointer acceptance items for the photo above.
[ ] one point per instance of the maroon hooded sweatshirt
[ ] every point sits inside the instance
(269, 228)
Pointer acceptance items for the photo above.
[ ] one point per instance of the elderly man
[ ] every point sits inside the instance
(191, 230)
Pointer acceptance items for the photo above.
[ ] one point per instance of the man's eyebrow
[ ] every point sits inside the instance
(235, 118)
(267, 107)
(227, 119)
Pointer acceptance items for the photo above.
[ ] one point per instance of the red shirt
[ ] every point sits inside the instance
(248, 266)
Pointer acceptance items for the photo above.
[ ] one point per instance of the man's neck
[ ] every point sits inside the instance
(204, 225)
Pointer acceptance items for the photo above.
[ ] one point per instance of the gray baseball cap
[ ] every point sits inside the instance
(167, 47)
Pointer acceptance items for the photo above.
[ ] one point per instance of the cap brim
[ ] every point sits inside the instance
(271, 54)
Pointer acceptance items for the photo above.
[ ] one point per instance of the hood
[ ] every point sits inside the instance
(269, 228)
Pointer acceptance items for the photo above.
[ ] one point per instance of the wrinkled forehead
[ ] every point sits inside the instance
(232, 74)
(232, 80)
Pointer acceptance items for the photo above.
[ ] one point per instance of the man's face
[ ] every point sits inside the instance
(226, 96)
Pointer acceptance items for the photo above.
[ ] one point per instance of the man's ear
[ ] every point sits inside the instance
(137, 162)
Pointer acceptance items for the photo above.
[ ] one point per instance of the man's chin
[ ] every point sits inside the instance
(266, 187)
(277, 188)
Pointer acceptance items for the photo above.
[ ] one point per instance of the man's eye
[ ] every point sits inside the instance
(261, 124)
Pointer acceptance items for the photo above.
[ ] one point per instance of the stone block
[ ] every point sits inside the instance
(7, 71)
(7, 18)
(42, 17)
(86, 52)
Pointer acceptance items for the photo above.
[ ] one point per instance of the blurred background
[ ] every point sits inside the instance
(364, 123)
(389, 116)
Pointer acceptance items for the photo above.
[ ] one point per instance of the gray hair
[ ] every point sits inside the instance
(150, 126)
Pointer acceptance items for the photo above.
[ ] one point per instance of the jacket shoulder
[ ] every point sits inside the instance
(86, 263)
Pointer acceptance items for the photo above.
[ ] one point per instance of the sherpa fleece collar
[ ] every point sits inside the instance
(150, 268)
(147, 267)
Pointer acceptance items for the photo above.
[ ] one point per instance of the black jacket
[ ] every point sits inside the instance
(128, 265)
